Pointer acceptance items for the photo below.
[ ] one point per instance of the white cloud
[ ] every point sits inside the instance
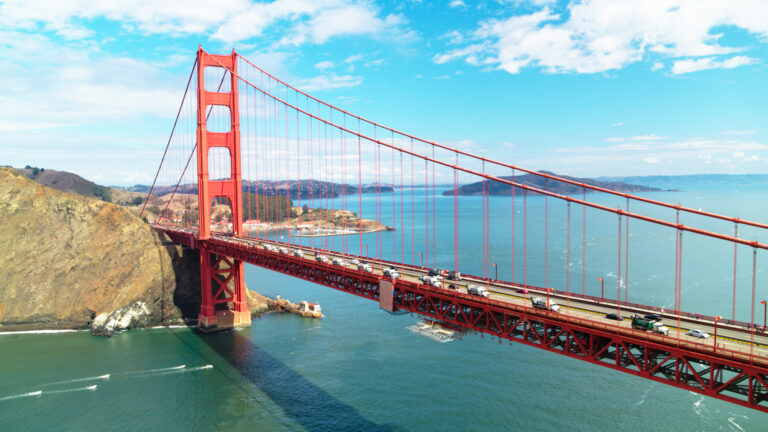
(595, 36)
(657, 66)
(695, 65)
(353, 58)
(739, 132)
(227, 21)
(327, 82)
(374, 63)
(325, 64)
(49, 84)
(669, 157)
(618, 124)
(457, 3)
(651, 137)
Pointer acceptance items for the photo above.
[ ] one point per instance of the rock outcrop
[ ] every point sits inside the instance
(66, 259)
(134, 315)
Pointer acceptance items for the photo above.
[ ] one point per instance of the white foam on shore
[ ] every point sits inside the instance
(23, 395)
(39, 332)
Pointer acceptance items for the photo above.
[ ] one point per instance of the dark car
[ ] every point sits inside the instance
(653, 317)
(435, 272)
(614, 316)
(453, 275)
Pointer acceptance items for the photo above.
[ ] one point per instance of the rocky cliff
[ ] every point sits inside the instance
(65, 259)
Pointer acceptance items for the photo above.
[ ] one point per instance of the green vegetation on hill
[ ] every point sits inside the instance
(266, 208)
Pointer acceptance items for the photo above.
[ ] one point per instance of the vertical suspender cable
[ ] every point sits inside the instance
(583, 242)
(735, 251)
(402, 221)
(626, 259)
(546, 235)
(752, 319)
(413, 219)
(434, 222)
(298, 170)
(248, 145)
(568, 254)
(525, 237)
(426, 207)
(456, 215)
(618, 279)
(394, 219)
(359, 189)
(513, 228)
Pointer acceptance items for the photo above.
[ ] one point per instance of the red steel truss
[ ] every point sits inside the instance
(734, 377)
(278, 118)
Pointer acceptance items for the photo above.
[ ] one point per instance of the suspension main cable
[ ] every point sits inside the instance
(536, 173)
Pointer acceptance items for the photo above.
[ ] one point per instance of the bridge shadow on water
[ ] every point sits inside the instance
(300, 399)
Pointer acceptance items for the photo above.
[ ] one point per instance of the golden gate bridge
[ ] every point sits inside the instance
(244, 144)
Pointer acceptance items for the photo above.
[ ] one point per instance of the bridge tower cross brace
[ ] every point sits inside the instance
(221, 278)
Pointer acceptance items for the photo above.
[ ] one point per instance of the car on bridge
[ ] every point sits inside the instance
(339, 262)
(653, 317)
(698, 333)
(297, 253)
(614, 316)
(321, 258)
(453, 275)
(436, 273)
(365, 267)
(477, 290)
(540, 303)
(391, 273)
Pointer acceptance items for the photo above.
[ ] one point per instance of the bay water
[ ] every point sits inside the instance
(360, 369)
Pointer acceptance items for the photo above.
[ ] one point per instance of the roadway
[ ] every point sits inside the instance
(728, 337)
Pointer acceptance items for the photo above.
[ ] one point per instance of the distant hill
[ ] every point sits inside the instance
(303, 189)
(730, 181)
(498, 188)
(67, 182)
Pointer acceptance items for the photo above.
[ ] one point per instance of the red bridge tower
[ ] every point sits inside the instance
(224, 301)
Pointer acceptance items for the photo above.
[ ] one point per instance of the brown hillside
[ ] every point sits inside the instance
(65, 258)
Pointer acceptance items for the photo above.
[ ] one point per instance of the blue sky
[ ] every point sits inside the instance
(584, 88)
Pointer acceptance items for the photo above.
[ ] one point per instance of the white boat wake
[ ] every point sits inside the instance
(23, 395)
(93, 378)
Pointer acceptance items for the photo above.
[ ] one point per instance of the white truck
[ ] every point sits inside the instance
(540, 303)
(365, 267)
(477, 290)
(660, 328)
(339, 262)
(432, 280)
(391, 273)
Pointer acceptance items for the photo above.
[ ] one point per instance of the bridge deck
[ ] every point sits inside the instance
(735, 370)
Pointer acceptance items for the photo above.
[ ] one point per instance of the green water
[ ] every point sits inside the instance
(360, 369)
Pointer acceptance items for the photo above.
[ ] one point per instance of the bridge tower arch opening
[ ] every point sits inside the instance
(224, 302)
